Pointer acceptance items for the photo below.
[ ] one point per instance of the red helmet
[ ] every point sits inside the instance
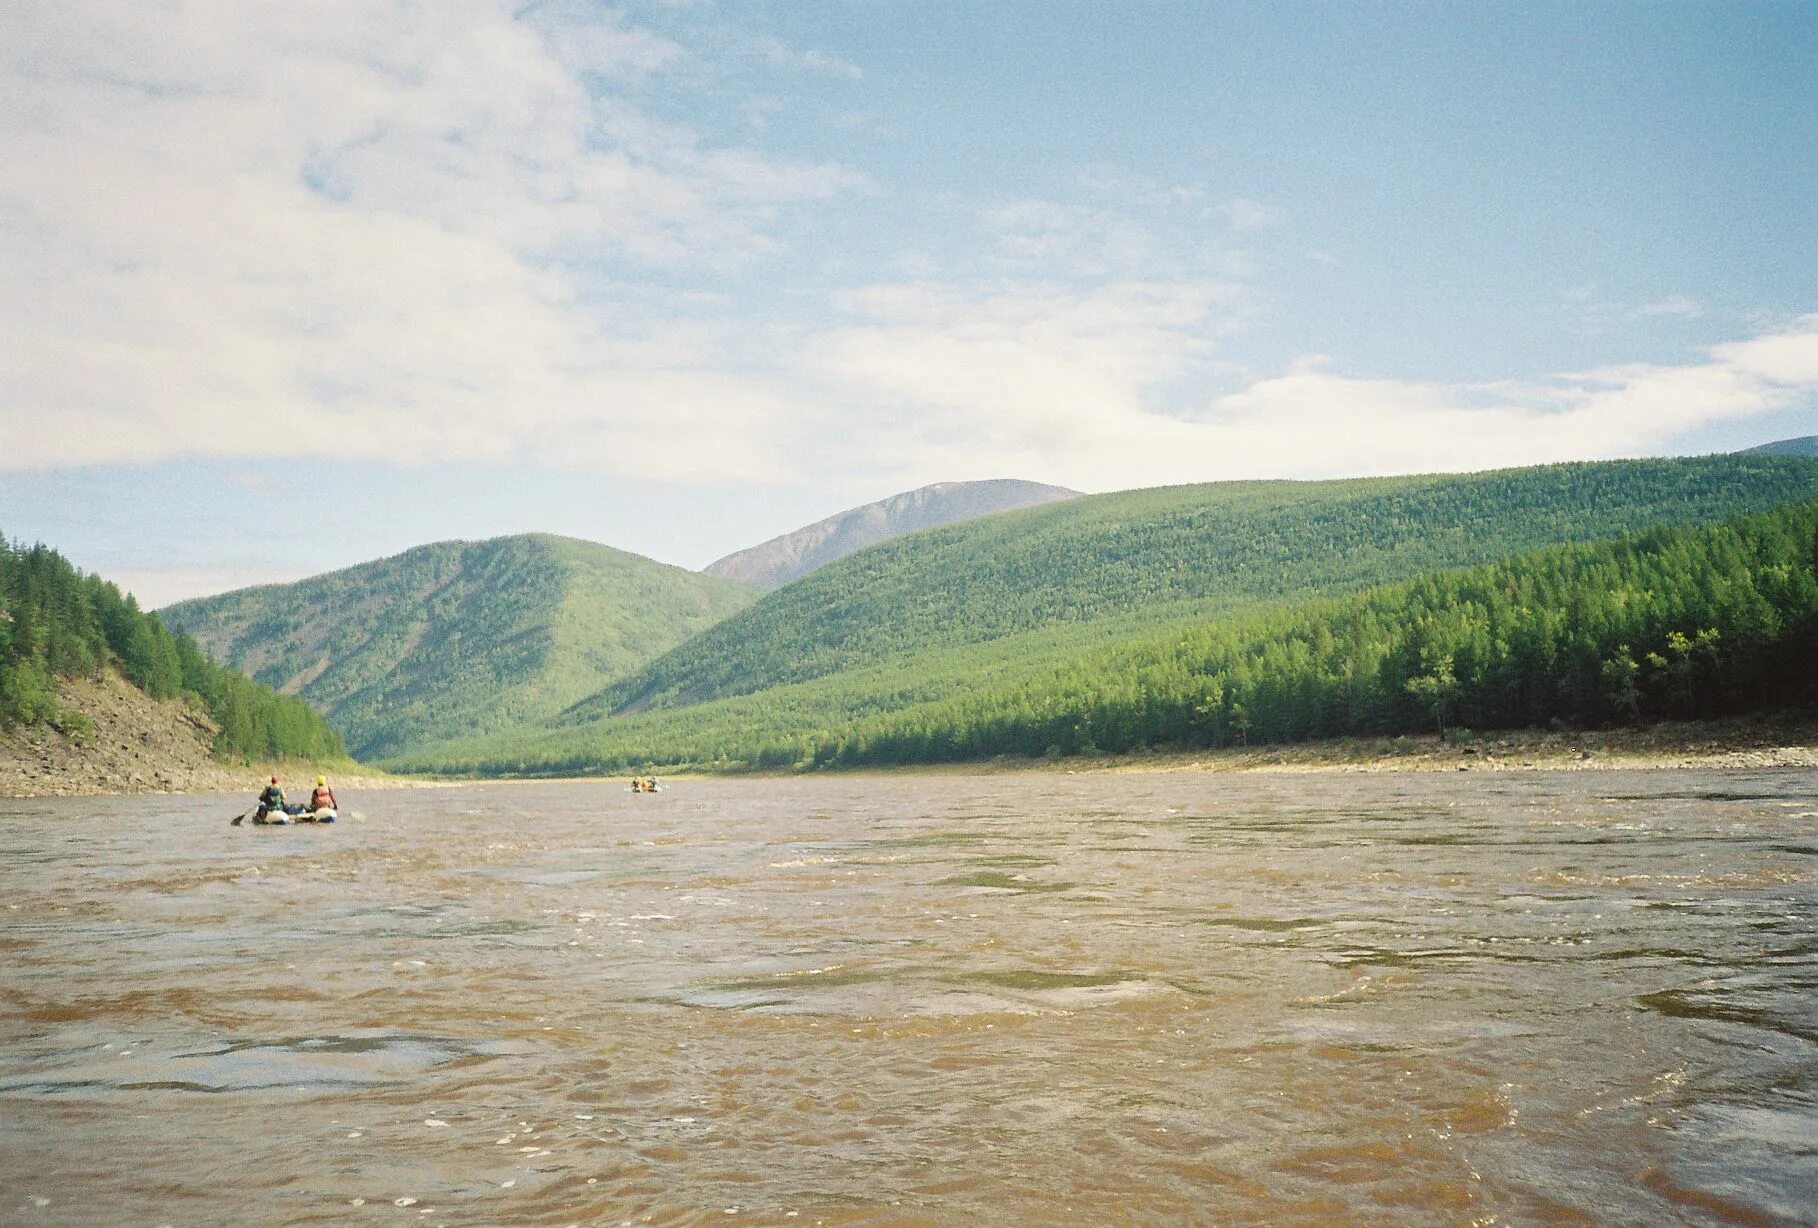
(274, 780)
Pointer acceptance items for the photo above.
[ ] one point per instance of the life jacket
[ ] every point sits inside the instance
(273, 797)
(321, 799)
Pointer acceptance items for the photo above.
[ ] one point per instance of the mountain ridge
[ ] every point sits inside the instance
(1803, 445)
(790, 556)
(1137, 552)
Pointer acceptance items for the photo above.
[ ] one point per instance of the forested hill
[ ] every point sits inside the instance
(937, 616)
(1805, 445)
(458, 638)
(1692, 621)
(793, 555)
(58, 623)
(1109, 565)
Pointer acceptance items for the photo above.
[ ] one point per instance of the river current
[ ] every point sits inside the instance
(1515, 998)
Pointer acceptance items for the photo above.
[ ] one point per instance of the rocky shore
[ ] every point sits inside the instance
(136, 744)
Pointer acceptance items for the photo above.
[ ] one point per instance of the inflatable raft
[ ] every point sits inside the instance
(284, 818)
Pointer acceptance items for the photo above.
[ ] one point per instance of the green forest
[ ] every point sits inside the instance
(458, 638)
(1143, 560)
(1682, 622)
(1011, 635)
(57, 621)
(1688, 621)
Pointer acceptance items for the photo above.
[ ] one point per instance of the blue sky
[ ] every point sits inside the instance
(296, 287)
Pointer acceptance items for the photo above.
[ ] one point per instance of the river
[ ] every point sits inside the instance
(1512, 998)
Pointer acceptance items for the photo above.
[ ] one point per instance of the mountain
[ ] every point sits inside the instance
(1148, 556)
(458, 638)
(957, 610)
(793, 555)
(1805, 445)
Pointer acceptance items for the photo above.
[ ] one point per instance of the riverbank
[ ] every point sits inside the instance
(1763, 741)
(1775, 740)
(140, 745)
(136, 744)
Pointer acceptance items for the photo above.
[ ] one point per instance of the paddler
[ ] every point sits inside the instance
(324, 797)
(271, 799)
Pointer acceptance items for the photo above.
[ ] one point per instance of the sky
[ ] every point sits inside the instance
(288, 287)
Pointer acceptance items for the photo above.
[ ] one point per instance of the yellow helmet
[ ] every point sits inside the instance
(321, 780)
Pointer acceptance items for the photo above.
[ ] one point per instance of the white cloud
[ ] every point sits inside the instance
(1135, 191)
(782, 55)
(435, 230)
(1131, 231)
(1049, 238)
(1016, 377)
(360, 230)
(1672, 305)
(983, 380)
(587, 38)
(1068, 389)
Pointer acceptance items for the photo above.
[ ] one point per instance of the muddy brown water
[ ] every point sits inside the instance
(1576, 998)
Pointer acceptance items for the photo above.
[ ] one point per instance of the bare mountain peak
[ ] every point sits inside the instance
(793, 555)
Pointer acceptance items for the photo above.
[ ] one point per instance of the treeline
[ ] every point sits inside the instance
(57, 621)
(1672, 623)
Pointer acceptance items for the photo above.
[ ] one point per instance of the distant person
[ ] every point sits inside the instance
(271, 799)
(324, 797)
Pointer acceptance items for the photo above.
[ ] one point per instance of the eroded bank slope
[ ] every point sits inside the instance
(134, 744)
